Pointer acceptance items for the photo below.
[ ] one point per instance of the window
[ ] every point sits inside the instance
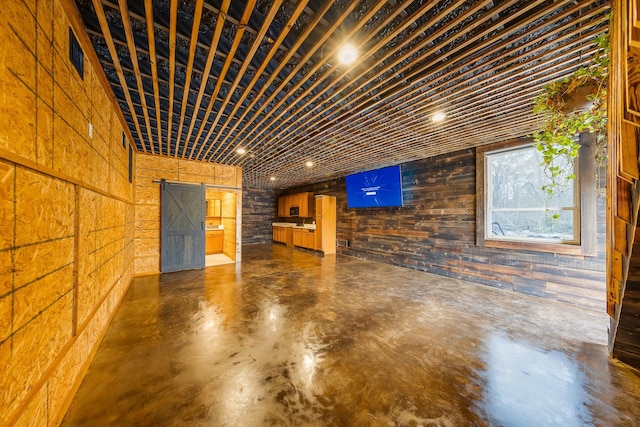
(511, 207)
(130, 164)
(75, 54)
(516, 206)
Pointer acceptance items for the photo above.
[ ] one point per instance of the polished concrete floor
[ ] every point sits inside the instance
(290, 338)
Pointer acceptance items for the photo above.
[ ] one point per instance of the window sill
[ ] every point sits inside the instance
(556, 248)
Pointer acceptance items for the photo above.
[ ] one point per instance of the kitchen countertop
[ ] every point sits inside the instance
(293, 225)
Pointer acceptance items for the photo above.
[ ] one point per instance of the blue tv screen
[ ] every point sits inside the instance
(375, 189)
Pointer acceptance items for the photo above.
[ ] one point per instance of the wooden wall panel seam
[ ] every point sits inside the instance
(14, 332)
(46, 376)
(45, 170)
(76, 250)
(39, 278)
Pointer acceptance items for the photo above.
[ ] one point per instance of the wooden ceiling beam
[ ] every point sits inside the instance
(285, 99)
(215, 39)
(272, 137)
(148, 7)
(378, 136)
(372, 11)
(290, 54)
(501, 90)
(275, 5)
(445, 79)
(124, 12)
(317, 44)
(260, 129)
(414, 96)
(195, 29)
(300, 7)
(102, 19)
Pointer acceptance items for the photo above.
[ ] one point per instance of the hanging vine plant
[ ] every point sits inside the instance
(577, 103)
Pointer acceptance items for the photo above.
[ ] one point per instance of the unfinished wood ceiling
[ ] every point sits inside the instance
(199, 79)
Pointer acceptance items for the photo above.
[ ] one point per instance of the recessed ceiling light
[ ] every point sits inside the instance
(438, 117)
(309, 164)
(273, 178)
(347, 54)
(241, 151)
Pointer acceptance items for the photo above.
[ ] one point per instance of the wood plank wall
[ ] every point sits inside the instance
(66, 212)
(435, 232)
(259, 208)
(623, 275)
(147, 222)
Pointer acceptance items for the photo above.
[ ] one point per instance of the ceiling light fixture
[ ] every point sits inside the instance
(241, 151)
(347, 54)
(309, 164)
(438, 117)
(273, 178)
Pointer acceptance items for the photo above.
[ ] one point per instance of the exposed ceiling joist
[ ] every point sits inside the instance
(198, 79)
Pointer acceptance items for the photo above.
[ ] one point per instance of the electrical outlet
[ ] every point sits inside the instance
(90, 130)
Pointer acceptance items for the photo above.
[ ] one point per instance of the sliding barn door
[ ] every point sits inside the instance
(182, 245)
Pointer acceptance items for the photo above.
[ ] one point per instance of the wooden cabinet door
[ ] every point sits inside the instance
(308, 239)
(218, 243)
(283, 209)
(214, 242)
(297, 237)
(303, 202)
(279, 234)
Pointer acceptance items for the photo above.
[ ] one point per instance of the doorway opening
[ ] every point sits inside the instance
(221, 237)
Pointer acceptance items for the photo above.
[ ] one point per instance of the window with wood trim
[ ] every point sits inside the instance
(515, 212)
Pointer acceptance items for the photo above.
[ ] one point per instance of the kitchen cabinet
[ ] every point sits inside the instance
(304, 238)
(308, 239)
(283, 235)
(214, 241)
(297, 237)
(325, 235)
(283, 206)
(303, 201)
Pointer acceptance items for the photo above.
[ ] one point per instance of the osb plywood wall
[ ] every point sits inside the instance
(229, 220)
(151, 168)
(66, 213)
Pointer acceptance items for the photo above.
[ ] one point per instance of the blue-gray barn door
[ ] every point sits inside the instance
(183, 209)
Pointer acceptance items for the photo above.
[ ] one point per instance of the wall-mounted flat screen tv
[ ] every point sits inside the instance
(375, 188)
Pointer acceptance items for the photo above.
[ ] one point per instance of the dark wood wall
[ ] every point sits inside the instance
(435, 232)
(259, 210)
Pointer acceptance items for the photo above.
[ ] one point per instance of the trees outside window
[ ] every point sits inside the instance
(516, 206)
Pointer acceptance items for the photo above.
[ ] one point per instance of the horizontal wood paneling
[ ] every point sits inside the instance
(259, 207)
(435, 232)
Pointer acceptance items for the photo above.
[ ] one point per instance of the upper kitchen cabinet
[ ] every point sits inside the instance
(299, 204)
